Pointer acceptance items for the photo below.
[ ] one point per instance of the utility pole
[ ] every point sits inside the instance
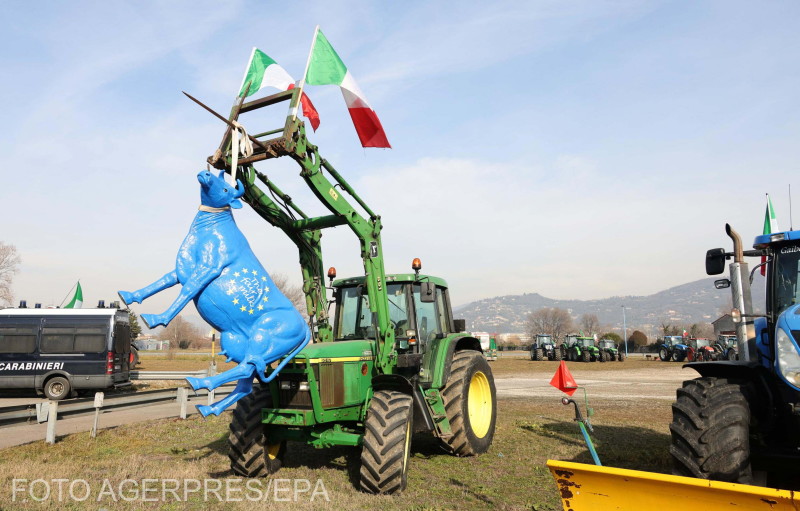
(624, 331)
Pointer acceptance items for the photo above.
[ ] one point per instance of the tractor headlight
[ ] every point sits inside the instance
(788, 358)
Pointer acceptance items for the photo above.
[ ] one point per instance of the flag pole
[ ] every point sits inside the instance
(68, 293)
(244, 77)
(296, 105)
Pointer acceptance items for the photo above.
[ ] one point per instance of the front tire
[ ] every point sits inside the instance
(557, 355)
(387, 442)
(710, 430)
(56, 388)
(663, 354)
(586, 356)
(250, 452)
(621, 356)
(470, 400)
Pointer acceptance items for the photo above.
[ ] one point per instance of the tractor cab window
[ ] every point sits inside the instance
(606, 343)
(354, 320)
(784, 282)
(430, 321)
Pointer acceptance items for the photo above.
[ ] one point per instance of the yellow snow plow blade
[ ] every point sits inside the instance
(594, 488)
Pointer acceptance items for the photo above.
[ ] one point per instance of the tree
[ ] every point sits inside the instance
(180, 333)
(9, 259)
(552, 321)
(589, 323)
(295, 294)
(637, 338)
(613, 336)
(136, 328)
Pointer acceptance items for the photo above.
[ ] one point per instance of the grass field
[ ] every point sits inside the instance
(512, 475)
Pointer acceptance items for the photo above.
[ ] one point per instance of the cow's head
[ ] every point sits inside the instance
(217, 193)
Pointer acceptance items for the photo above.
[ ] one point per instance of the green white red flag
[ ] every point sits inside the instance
(326, 68)
(77, 299)
(770, 226)
(262, 71)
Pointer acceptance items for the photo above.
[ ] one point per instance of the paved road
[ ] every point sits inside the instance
(660, 382)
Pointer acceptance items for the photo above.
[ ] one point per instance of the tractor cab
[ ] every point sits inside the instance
(673, 340)
(544, 339)
(606, 343)
(585, 342)
(419, 311)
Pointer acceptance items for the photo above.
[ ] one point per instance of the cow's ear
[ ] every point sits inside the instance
(236, 204)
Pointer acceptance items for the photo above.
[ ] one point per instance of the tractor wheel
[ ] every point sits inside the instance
(677, 356)
(663, 354)
(387, 442)
(586, 356)
(470, 400)
(533, 355)
(621, 356)
(538, 355)
(732, 355)
(250, 452)
(557, 355)
(690, 354)
(603, 356)
(710, 430)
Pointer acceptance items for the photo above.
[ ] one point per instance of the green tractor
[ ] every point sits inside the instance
(545, 348)
(390, 362)
(609, 351)
(582, 349)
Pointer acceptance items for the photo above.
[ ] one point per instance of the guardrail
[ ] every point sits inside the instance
(51, 411)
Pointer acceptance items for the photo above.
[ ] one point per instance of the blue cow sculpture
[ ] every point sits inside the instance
(232, 291)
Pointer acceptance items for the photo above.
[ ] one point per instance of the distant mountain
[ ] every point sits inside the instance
(695, 302)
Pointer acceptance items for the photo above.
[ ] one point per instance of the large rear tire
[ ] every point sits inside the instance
(586, 356)
(250, 452)
(557, 355)
(470, 400)
(621, 356)
(387, 442)
(710, 430)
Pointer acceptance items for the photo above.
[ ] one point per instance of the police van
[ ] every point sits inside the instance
(59, 352)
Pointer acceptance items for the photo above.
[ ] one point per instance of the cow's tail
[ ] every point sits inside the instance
(288, 358)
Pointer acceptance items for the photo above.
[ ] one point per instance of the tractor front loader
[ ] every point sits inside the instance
(389, 362)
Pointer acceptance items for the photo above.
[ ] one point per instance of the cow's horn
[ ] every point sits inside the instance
(239, 189)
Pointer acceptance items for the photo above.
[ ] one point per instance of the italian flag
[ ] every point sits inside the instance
(770, 226)
(262, 71)
(77, 300)
(326, 68)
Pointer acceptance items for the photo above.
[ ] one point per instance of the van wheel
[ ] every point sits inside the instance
(56, 388)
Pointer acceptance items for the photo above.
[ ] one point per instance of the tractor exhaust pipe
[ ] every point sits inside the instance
(742, 300)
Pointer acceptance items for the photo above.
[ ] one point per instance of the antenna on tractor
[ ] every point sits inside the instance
(791, 223)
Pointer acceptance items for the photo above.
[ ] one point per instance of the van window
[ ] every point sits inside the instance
(18, 338)
(122, 337)
(60, 338)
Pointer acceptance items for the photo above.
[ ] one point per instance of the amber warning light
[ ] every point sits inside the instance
(416, 265)
(331, 273)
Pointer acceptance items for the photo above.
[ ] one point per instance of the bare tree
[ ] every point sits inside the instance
(589, 323)
(553, 321)
(9, 259)
(180, 334)
(295, 294)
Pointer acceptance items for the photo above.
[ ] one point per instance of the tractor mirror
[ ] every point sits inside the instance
(427, 292)
(722, 283)
(460, 325)
(715, 261)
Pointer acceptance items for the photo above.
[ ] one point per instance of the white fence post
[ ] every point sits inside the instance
(52, 417)
(183, 399)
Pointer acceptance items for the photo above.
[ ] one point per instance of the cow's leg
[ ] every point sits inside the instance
(196, 283)
(243, 388)
(167, 281)
(237, 373)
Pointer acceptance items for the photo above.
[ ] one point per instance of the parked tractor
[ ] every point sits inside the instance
(673, 347)
(391, 360)
(726, 346)
(740, 420)
(609, 351)
(701, 350)
(583, 349)
(545, 348)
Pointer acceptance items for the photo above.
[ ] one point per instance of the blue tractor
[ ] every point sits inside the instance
(740, 420)
(673, 347)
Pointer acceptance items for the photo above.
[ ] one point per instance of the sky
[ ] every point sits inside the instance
(580, 149)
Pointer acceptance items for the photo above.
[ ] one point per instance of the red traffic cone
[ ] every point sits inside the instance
(563, 380)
